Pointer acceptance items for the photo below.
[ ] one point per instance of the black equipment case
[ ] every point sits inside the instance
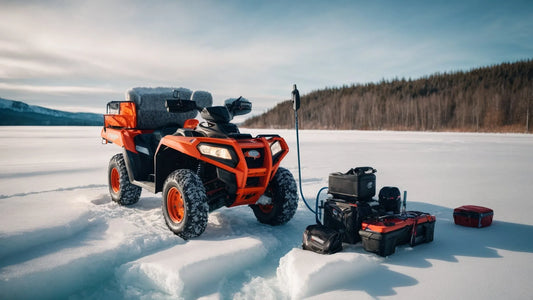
(356, 184)
(321, 239)
(346, 217)
(382, 235)
(423, 227)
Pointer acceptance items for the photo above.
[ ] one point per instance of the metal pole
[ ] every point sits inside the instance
(527, 113)
(299, 166)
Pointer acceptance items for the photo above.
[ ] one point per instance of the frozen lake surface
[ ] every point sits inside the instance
(61, 235)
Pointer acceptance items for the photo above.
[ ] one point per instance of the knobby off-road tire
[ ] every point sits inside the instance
(120, 187)
(282, 190)
(185, 205)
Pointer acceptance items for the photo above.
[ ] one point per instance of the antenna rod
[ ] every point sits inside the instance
(296, 106)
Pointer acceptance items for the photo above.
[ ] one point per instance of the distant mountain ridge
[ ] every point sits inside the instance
(19, 113)
(496, 98)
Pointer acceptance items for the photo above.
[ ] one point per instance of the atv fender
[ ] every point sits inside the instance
(167, 160)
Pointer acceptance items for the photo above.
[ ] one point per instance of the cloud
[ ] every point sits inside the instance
(251, 48)
(55, 89)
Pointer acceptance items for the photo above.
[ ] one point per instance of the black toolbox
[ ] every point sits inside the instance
(424, 228)
(382, 235)
(356, 184)
(346, 217)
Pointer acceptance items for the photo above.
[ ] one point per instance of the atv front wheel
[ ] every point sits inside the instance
(185, 205)
(284, 200)
(120, 187)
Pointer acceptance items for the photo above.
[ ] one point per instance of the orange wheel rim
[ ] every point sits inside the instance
(115, 180)
(267, 208)
(175, 205)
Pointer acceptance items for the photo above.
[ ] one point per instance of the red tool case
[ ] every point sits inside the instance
(473, 216)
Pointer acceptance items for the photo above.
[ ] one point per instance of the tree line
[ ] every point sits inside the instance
(496, 98)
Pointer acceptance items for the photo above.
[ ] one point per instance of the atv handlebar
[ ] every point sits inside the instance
(181, 106)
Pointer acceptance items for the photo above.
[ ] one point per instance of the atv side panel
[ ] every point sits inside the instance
(122, 137)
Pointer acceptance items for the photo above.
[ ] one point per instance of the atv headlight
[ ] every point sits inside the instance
(222, 154)
(219, 152)
(275, 148)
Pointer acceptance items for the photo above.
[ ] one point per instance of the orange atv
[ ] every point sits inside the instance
(199, 167)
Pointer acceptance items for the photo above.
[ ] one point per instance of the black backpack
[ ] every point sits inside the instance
(390, 199)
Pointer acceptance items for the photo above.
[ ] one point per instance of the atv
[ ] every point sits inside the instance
(198, 166)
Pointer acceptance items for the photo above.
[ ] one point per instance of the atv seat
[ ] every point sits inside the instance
(151, 112)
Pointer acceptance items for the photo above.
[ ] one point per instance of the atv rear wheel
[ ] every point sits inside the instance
(185, 205)
(120, 187)
(284, 200)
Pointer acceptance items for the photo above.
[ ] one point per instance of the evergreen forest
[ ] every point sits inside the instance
(496, 98)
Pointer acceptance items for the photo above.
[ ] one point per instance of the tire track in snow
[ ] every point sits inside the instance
(46, 172)
(90, 186)
(47, 217)
(64, 264)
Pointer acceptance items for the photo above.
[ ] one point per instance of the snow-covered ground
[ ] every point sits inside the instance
(61, 235)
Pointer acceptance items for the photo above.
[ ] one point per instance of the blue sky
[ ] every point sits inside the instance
(77, 55)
